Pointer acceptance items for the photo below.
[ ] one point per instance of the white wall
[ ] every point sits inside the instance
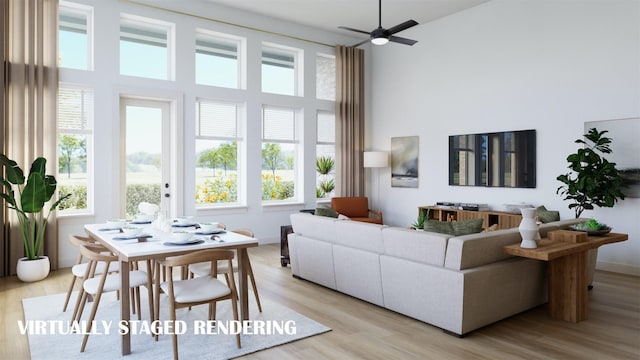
(548, 65)
(108, 86)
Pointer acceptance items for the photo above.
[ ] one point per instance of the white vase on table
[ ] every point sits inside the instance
(528, 228)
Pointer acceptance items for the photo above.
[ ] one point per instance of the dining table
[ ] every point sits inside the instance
(155, 244)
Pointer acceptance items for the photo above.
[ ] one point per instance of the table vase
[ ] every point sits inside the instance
(528, 228)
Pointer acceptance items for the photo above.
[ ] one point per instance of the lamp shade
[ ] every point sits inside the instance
(376, 159)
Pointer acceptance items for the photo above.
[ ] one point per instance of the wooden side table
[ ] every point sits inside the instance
(567, 272)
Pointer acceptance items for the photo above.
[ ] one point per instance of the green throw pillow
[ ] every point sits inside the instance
(326, 211)
(467, 227)
(442, 227)
(547, 216)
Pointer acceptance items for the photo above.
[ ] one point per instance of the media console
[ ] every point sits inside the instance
(502, 220)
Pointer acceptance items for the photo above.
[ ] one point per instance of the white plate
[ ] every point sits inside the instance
(188, 242)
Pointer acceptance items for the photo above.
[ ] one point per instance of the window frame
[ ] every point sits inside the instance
(324, 143)
(241, 160)
(298, 67)
(298, 165)
(89, 133)
(154, 24)
(326, 56)
(241, 45)
(88, 13)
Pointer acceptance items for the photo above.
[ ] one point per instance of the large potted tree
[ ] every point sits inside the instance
(32, 193)
(593, 180)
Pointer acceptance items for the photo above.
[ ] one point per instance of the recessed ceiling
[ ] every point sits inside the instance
(359, 14)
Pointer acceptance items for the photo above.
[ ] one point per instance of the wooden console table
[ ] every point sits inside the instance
(567, 272)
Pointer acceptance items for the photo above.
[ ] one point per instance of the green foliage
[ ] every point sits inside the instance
(327, 186)
(224, 156)
(271, 157)
(423, 216)
(324, 165)
(37, 191)
(137, 193)
(77, 198)
(591, 224)
(593, 180)
(71, 148)
(274, 188)
(218, 190)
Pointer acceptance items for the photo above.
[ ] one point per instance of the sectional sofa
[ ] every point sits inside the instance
(457, 283)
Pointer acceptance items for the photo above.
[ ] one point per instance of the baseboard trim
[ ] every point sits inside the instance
(618, 268)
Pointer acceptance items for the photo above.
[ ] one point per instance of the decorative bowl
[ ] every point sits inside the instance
(131, 230)
(592, 232)
(185, 220)
(208, 226)
(143, 218)
(116, 223)
(181, 236)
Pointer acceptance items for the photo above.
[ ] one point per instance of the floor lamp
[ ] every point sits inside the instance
(376, 160)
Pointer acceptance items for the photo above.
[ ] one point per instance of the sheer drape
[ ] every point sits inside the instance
(29, 93)
(349, 121)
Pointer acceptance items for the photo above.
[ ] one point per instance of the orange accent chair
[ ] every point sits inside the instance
(356, 208)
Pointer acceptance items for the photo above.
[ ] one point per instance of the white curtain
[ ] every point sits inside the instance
(29, 92)
(349, 121)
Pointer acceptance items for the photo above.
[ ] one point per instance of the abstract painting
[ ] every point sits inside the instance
(625, 150)
(404, 161)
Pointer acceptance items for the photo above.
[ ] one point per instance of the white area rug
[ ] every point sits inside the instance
(190, 346)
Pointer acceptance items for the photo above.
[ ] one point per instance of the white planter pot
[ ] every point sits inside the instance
(33, 270)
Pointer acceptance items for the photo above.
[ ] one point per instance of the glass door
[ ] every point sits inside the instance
(145, 157)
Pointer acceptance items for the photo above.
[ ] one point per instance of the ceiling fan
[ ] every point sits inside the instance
(381, 36)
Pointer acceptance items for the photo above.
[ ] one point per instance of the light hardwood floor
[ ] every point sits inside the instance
(365, 331)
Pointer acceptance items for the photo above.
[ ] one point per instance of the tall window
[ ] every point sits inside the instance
(326, 77)
(218, 60)
(279, 153)
(280, 70)
(218, 152)
(75, 135)
(75, 36)
(145, 48)
(325, 154)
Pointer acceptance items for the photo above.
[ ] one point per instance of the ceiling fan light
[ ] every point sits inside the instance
(379, 40)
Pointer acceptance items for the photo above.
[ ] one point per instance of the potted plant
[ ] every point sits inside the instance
(423, 216)
(593, 180)
(324, 165)
(29, 206)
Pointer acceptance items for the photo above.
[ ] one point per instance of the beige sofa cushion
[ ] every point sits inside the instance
(468, 251)
(416, 245)
(359, 235)
(312, 226)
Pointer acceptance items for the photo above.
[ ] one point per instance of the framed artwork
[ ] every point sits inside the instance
(404, 161)
(625, 148)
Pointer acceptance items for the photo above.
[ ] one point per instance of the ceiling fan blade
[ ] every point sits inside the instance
(400, 27)
(352, 29)
(402, 40)
(361, 42)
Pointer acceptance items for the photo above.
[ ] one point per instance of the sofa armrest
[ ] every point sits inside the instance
(376, 215)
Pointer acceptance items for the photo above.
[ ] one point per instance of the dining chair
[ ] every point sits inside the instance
(78, 270)
(95, 285)
(196, 291)
(203, 269)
